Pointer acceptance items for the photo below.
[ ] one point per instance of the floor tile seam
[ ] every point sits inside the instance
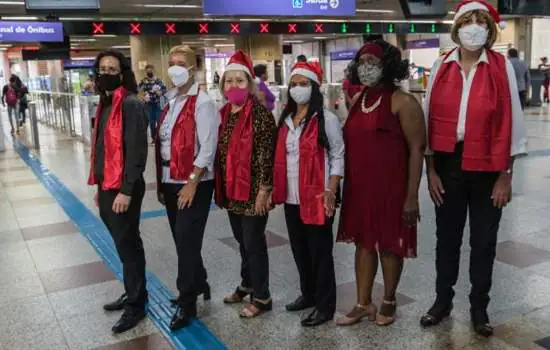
(159, 293)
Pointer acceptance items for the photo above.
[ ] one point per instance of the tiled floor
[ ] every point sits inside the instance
(53, 282)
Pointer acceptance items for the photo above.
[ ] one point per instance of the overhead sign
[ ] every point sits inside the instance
(273, 8)
(61, 5)
(343, 55)
(31, 32)
(78, 64)
(423, 44)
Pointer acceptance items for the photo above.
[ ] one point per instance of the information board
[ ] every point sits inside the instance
(275, 8)
(31, 32)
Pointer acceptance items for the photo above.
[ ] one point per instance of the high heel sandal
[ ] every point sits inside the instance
(386, 316)
(358, 313)
(256, 308)
(237, 296)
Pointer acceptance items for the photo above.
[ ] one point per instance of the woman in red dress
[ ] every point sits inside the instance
(384, 138)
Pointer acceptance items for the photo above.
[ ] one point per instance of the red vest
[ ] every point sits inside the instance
(488, 133)
(182, 144)
(238, 167)
(311, 173)
(113, 142)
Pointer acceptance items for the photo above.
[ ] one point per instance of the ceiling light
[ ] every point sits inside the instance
(214, 39)
(374, 11)
(293, 41)
(224, 45)
(191, 42)
(12, 3)
(120, 47)
(451, 12)
(320, 37)
(76, 40)
(104, 36)
(75, 18)
(20, 18)
(168, 6)
(82, 58)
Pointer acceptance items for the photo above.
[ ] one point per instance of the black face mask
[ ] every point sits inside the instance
(149, 75)
(108, 82)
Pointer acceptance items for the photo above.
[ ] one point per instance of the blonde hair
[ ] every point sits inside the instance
(252, 87)
(189, 54)
(480, 15)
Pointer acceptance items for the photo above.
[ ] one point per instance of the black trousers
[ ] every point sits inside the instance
(312, 249)
(522, 98)
(465, 192)
(124, 229)
(187, 227)
(249, 231)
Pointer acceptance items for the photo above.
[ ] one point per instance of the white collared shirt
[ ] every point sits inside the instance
(334, 157)
(519, 134)
(207, 119)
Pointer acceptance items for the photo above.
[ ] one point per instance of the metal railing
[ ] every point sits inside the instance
(69, 113)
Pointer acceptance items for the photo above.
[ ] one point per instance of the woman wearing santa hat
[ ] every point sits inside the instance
(188, 136)
(309, 164)
(384, 138)
(244, 179)
(475, 129)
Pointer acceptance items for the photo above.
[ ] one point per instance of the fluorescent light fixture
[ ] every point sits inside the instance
(191, 42)
(214, 39)
(82, 58)
(451, 12)
(75, 18)
(12, 3)
(77, 40)
(104, 36)
(320, 37)
(120, 47)
(20, 18)
(448, 22)
(293, 41)
(160, 6)
(224, 45)
(374, 11)
(6, 45)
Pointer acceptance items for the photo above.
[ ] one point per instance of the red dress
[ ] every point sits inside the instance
(375, 181)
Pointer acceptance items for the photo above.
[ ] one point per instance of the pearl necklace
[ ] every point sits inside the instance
(371, 108)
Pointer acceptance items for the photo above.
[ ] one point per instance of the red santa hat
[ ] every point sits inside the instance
(466, 6)
(241, 61)
(311, 70)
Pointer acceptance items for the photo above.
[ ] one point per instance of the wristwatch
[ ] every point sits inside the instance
(193, 177)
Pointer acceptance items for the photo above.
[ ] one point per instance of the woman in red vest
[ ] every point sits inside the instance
(385, 138)
(118, 157)
(309, 164)
(185, 152)
(475, 129)
(244, 179)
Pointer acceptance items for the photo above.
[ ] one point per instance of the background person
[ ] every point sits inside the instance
(472, 144)
(10, 99)
(154, 89)
(117, 166)
(185, 152)
(523, 76)
(244, 179)
(264, 94)
(544, 67)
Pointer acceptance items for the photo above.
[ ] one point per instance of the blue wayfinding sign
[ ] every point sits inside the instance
(279, 8)
(343, 55)
(31, 32)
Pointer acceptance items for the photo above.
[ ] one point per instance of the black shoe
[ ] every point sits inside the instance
(116, 305)
(129, 319)
(299, 304)
(316, 318)
(183, 316)
(437, 313)
(206, 295)
(480, 322)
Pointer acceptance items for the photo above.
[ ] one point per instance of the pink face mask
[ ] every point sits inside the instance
(237, 96)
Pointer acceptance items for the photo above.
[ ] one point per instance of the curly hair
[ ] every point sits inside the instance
(394, 67)
(128, 77)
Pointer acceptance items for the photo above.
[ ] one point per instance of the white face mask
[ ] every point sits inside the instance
(300, 94)
(369, 74)
(473, 36)
(179, 75)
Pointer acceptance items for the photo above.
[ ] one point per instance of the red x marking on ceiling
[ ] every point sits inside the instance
(170, 28)
(235, 28)
(292, 28)
(135, 28)
(264, 27)
(203, 28)
(97, 28)
(319, 28)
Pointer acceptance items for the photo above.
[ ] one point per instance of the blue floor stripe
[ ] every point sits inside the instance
(195, 337)
(162, 212)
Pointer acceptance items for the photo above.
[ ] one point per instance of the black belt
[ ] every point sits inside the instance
(165, 163)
